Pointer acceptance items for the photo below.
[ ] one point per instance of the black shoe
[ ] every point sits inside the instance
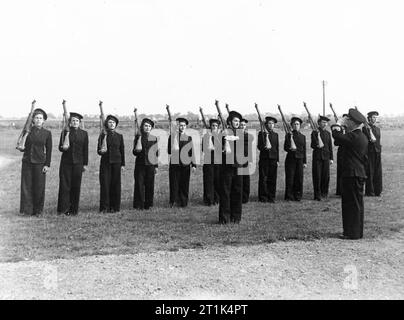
(317, 198)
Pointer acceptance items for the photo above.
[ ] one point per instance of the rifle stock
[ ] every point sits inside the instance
(203, 118)
(102, 129)
(26, 130)
(288, 129)
(175, 143)
(225, 126)
(138, 146)
(333, 111)
(66, 141)
(314, 126)
(263, 129)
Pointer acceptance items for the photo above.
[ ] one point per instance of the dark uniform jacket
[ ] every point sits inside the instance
(146, 157)
(272, 153)
(78, 149)
(355, 145)
(300, 141)
(324, 153)
(232, 159)
(373, 146)
(248, 140)
(115, 150)
(184, 141)
(38, 147)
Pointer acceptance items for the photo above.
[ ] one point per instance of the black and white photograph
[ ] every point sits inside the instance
(221, 152)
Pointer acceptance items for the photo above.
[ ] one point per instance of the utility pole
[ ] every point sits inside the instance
(323, 98)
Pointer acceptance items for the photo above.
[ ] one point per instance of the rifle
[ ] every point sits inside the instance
(66, 141)
(176, 145)
(138, 146)
(26, 130)
(210, 145)
(102, 129)
(288, 129)
(203, 118)
(225, 126)
(333, 111)
(314, 126)
(372, 137)
(263, 129)
(227, 108)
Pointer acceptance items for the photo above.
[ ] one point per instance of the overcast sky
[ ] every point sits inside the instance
(188, 53)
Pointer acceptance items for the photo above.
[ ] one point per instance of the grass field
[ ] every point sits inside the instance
(51, 236)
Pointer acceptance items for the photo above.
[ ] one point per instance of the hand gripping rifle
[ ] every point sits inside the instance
(102, 129)
(26, 130)
(175, 143)
(287, 129)
(227, 148)
(138, 146)
(372, 137)
(263, 129)
(314, 126)
(66, 127)
(210, 145)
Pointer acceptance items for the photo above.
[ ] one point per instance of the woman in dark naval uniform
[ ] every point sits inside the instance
(146, 155)
(111, 164)
(35, 164)
(73, 163)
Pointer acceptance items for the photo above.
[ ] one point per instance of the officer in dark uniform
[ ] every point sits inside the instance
(353, 178)
(35, 164)
(230, 206)
(322, 158)
(111, 164)
(295, 161)
(340, 155)
(248, 140)
(146, 166)
(212, 149)
(182, 158)
(73, 163)
(268, 161)
(374, 183)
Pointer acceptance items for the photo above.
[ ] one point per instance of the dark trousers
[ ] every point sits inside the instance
(230, 205)
(268, 171)
(294, 179)
(32, 197)
(352, 206)
(144, 187)
(211, 183)
(374, 185)
(69, 188)
(179, 184)
(110, 182)
(339, 172)
(246, 188)
(321, 178)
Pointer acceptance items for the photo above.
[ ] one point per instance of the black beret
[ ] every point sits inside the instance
(373, 113)
(40, 111)
(232, 115)
(113, 118)
(244, 120)
(356, 116)
(214, 121)
(321, 118)
(76, 115)
(147, 120)
(182, 120)
(267, 119)
(294, 119)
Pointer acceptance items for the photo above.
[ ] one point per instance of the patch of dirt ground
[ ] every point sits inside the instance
(321, 269)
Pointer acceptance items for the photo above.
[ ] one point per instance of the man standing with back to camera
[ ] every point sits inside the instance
(353, 175)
